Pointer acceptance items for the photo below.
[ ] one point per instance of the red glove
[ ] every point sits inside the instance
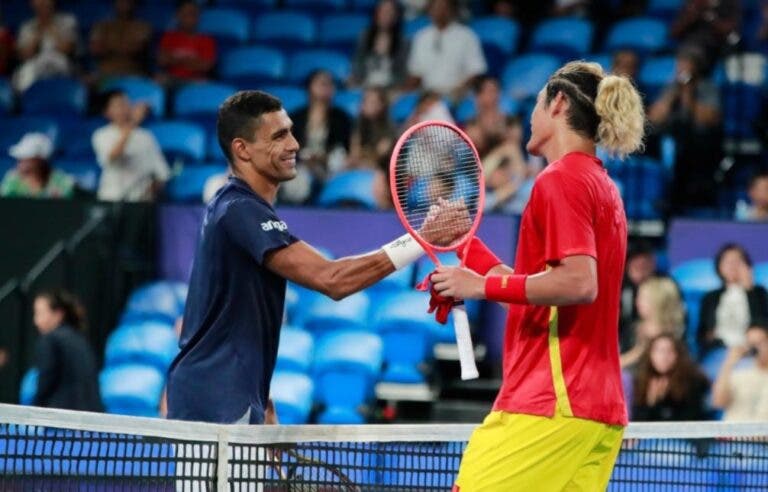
(440, 305)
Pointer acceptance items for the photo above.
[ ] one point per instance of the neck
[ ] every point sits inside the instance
(442, 25)
(263, 187)
(565, 142)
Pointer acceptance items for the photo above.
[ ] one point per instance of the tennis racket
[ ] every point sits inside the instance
(435, 168)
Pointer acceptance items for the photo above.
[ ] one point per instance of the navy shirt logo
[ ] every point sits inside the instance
(270, 225)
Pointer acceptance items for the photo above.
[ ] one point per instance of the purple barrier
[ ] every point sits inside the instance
(691, 239)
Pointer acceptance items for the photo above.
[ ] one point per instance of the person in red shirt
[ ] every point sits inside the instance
(186, 55)
(558, 420)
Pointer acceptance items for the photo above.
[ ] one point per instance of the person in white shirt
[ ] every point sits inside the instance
(446, 56)
(133, 167)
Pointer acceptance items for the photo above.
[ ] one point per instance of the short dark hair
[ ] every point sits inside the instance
(759, 324)
(239, 115)
(731, 247)
(482, 79)
(106, 97)
(315, 74)
(580, 86)
(184, 3)
(639, 248)
(70, 306)
(757, 177)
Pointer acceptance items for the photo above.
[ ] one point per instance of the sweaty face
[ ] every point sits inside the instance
(663, 355)
(541, 126)
(273, 151)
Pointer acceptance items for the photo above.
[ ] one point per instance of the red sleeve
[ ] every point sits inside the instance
(207, 48)
(166, 42)
(563, 208)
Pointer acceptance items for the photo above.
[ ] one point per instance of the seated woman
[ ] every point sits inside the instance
(727, 312)
(668, 384)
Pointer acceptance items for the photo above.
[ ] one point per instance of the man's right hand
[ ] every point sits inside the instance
(446, 222)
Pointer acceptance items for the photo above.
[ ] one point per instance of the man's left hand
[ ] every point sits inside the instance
(459, 283)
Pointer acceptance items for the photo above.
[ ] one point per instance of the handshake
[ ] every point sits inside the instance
(445, 223)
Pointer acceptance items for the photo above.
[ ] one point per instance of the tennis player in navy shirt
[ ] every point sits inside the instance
(245, 254)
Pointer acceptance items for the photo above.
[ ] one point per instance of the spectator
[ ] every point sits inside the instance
(743, 392)
(509, 179)
(381, 191)
(46, 45)
(641, 265)
(66, 363)
(727, 312)
(120, 45)
(503, 8)
(668, 384)
(660, 311)
(6, 50)
(320, 127)
(446, 57)
(374, 133)
(626, 63)
(708, 24)
(489, 126)
(133, 167)
(430, 106)
(382, 50)
(565, 8)
(757, 190)
(33, 176)
(185, 54)
(689, 110)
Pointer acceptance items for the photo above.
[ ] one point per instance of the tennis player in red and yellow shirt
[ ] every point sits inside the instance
(558, 420)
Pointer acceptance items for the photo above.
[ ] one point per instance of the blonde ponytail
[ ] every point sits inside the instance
(622, 118)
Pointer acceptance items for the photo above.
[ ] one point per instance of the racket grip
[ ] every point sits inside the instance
(464, 343)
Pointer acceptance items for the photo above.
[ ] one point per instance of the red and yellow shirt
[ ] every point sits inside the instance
(566, 358)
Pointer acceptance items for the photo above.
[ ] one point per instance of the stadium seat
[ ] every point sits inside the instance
(695, 278)
(75, 141)
(292, 97)
(761, 274)
(252, 66)
(412, 26)
(88, 13)
(349, 189)
(140, 89)
(292, 395)
(466, 109)
(641, 34)
(499, 37)
(213, 150)
(664, 9)
(346, 367)
(403, 106)
(341, 31)
(349, 101)
(180, 140)
(325, 315)
(295, 351)
(200, 99)
(655, 74)
(132, 389)
(742, 105)
(605, 60)
(396, 281)
(55, 97)
(524, 76)
(286, 29)
(189, 184)
(227, 25)
(149, 343)
(6, 97)
(363, 5)
(86, 172)
(28, 387)
(13, 129)
(160, 14)
(304, 62)
(565, 37)
(317, 6)
(162, 301)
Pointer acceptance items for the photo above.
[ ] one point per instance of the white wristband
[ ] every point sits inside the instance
(403, 251)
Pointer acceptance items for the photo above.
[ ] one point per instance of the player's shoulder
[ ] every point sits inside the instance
(235, 199)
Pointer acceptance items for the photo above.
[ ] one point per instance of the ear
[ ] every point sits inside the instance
(559, 104)
(240, 150)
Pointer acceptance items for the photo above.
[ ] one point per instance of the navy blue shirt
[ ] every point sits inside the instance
(233, 312)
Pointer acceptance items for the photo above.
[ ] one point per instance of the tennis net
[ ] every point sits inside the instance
(44, 449)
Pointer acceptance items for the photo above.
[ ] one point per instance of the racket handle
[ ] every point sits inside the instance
(464, 343)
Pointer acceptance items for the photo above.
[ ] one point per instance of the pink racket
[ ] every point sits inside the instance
(434, 168)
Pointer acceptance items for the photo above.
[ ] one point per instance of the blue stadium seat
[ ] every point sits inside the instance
(295, 351)
(466, 109)
(566, 37)
(162, 301)
(86, 172)
(140, 89)
(213, 150)
(742, 104)
(412, 26)
(363, 5)
(160, 14)
(341, 31)
(664, 9)
(499, 37)
(695, 278)
(13, 129)
(292, 395)
(524, 76)
(317, 6)
(297, 299)
(88, 13)
(325, 315)
(28, 387)
(655, 74)
(55, 97)
(304, 62)
(712, 361)
(75, 141)
(641, 34)
(6, 97)
(180, 140)
(227, 25)
(349, 189)
(200, 99)
(396, 281)
(403, 106)
(349, 101)
(346, 367)
(292, 97)
(252, 66)
(149, 343)
(761, 274)
(605, 60)
(189, 184)
(132, 389)
(286, 29)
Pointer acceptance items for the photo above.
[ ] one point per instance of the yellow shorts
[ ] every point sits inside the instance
(511, 452)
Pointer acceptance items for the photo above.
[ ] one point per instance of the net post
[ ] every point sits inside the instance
(222, 460)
